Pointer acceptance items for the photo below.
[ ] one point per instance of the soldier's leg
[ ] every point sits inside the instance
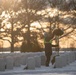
(53, 60)
(47, 60)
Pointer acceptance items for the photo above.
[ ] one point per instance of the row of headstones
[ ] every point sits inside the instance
(65, 59)
(8, 61)
(32, 60)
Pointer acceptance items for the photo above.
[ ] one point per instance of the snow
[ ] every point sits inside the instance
(43, 70)
(68, 70)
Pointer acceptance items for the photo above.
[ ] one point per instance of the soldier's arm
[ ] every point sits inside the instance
(55, 45)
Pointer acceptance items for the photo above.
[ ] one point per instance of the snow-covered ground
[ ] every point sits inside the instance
(68, 70)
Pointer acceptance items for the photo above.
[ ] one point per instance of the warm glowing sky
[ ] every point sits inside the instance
(51, 13)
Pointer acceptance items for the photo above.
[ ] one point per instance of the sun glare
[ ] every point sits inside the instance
(8, 25)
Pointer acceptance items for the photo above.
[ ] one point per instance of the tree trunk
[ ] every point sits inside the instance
(28, 39)
(28, 23)
(12, 38)
(12, 47)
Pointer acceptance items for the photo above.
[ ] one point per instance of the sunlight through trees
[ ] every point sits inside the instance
(24, 22)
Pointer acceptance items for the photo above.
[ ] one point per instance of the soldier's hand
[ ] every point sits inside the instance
(57, 45)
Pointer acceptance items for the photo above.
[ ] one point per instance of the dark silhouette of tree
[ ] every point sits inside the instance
(65, 5)
(21, 15)
(10, 17)
(30, 15)
(25, 12)
(69, 8)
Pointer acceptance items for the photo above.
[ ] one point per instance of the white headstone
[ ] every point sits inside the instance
(37, 61)
(17, 61)
(2, 64)
(43, 59)
(64, 60)
(31, 63)
(24, 59)
(71, 57)
(9, 62)
(58, 61)
(75, 55)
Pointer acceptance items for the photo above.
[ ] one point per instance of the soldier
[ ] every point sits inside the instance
(48, 47)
